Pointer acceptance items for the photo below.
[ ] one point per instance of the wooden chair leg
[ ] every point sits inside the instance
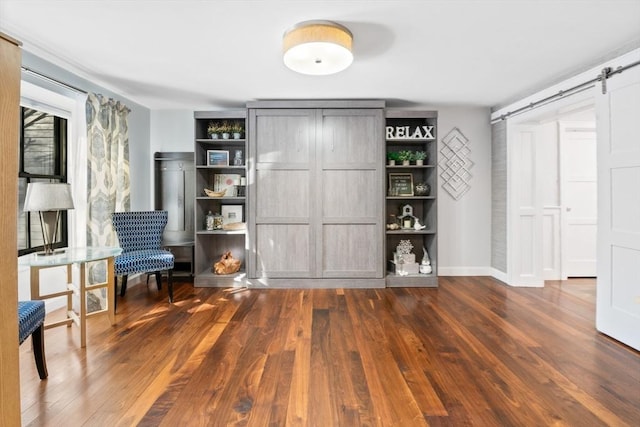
(123, 288)
(37, 338)
(170, 285)
(159, 280)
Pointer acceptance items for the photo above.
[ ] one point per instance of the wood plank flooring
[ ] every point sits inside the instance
(472, 352)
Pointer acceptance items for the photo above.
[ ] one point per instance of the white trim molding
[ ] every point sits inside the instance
(465, 271)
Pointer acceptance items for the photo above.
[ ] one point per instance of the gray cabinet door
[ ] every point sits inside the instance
(174, 189)
(282, 143)
(318, 186)
(350, 186)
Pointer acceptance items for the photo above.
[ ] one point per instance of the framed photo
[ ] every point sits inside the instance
(227, 182)
(400, 184)
(217, 158)
(231, 214)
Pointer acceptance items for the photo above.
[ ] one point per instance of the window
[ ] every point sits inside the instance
(43, 146)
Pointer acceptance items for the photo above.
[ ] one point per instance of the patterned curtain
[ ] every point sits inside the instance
(108, 172)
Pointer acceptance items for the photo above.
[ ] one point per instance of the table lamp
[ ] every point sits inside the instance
(48, 199)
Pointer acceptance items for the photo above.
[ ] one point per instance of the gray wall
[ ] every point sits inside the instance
(499, 196)
(464, 225)
(139, 123)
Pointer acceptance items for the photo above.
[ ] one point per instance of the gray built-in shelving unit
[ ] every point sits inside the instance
(424, 207)
(210, 245)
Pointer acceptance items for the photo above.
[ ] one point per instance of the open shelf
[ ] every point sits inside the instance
(211, 245)
(424, 208)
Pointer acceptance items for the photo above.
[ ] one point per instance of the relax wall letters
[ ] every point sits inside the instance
(409, 132)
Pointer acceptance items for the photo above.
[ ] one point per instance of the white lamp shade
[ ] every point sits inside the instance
(318, 48)
(48, 196)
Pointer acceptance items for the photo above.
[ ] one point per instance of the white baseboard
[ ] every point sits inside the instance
(500, 275)
(464, 271)
(503, 277)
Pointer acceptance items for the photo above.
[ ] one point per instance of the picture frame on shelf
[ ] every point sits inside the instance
(227, 182)
(217, 158)
(401, 184)
(231, 214)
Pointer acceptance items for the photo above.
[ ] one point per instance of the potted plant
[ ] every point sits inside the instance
(392, 157)
(213, 130)
(420, 157)
(225, 128)
(237, 129)
(405, 157)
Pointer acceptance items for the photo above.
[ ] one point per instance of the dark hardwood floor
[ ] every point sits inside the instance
(472, 352)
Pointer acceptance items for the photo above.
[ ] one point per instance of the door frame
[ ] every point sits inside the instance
(528, 122)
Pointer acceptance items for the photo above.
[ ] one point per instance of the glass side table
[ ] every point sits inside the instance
(80, 256)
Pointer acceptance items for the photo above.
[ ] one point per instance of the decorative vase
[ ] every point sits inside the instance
(237, 159)
(419, 162)
(214, 136)
(392, 162)
(422, 189)
(225, 135)
(405, 163)
(237, 135)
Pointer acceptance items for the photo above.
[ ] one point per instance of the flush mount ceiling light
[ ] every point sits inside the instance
(318, 48)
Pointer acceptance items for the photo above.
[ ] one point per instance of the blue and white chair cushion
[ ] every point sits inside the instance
(31, 322)
(30, 317)
(140, 237)
(143, 260)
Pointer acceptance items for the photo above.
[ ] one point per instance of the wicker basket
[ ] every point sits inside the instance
(210, 193)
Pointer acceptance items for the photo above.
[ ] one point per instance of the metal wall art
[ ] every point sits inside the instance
(455, 164)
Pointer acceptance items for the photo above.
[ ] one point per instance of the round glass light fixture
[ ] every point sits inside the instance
(318, 48)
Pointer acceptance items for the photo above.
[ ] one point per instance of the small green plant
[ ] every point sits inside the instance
(213, 128)
(405, 155)
(236, 127)
(225, 127)
(393, 155)
(420, 155)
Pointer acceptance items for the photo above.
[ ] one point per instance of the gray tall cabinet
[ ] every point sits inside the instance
(316, 178)
(174, 174)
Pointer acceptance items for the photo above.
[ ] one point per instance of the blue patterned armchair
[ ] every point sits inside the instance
(31, 322)
(140, 237)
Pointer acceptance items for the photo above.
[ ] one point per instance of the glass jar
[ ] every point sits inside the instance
(422, 189)
(218, 221)
(208, 222)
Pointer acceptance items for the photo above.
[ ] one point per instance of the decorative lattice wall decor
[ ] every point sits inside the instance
(455, 164)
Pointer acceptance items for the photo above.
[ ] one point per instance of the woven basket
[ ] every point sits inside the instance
(210, 193)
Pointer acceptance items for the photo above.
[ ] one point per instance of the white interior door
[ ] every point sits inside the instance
(578, 175)
(618, 284)
(525, 207)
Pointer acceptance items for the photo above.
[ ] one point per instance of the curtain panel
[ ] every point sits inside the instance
(108, 186)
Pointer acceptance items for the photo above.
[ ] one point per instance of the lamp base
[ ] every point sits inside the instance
(51, 253)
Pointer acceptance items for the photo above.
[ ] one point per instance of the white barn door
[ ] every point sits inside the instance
(525, 207)
(618, 259)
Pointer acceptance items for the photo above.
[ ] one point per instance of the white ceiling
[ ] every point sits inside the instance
(219, 54)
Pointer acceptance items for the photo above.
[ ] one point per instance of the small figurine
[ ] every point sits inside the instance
(425, 265)
(417, 226)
